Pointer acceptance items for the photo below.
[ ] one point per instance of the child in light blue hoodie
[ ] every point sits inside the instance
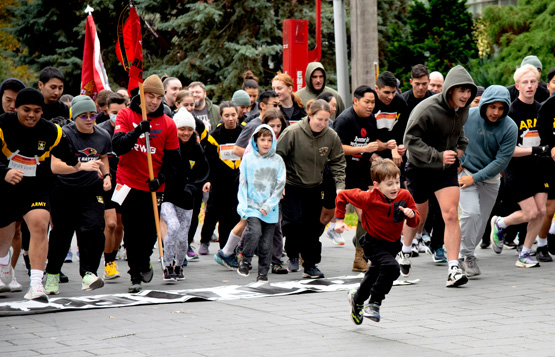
(261, 184)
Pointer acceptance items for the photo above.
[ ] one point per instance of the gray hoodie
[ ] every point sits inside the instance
(308, 92)
(435, 127)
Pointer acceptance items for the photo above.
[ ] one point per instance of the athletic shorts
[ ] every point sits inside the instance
(422, 183)
(108, 203)
(522, 184)
(329, 192)
(17, 204)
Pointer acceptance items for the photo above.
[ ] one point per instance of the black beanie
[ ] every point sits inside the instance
(29, 96)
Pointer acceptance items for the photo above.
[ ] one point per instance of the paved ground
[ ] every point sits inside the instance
(505, 312)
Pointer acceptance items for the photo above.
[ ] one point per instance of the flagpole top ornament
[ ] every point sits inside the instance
(89, 10)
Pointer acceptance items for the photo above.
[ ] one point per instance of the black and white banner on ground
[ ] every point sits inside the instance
(149, 297)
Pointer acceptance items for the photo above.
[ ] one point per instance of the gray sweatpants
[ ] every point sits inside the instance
(178, 221)
(476, 203)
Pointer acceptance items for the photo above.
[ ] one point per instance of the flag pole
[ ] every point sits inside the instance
(151, 177)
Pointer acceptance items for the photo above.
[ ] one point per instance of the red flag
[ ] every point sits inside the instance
(130, 40)
(93, 73)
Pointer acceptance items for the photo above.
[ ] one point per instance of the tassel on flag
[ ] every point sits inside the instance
(93, 74)
(129, 47)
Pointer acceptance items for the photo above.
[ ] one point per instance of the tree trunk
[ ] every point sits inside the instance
(364, 42)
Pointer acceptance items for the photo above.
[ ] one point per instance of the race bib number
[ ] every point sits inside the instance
(26, 164)
(226, 152)
(530, 138)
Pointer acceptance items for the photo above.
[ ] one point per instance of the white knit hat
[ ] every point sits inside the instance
(184, 118)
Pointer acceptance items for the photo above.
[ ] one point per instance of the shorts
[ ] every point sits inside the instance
(108, 203)
(329, 192)
(19, 203)
(423, 183)
(521, 184)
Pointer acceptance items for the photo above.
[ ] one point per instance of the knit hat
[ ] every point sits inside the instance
(480, 91)
(29, 96)
(533, 60)
(153, 84)
(184, 118)
(550, 74)
(241, 97)
(82, 104)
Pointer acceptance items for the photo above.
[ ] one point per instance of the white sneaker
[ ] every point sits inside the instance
(36, 292)
(336, 238)
(456, 277)
(91, 282)
(15, 286)
(6, 271)
(4, 288)
(422, 247)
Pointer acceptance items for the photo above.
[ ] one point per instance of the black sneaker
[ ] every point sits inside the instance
(168, 274)
(262, 278)
(146, 276)
(313, 272)
(244, 268)
(485, 245)
(372, 312)
(63, 278)
(509, 245)
(178, 273)
(542, 254)
(135, 286)
(356, 309)
(278, 269)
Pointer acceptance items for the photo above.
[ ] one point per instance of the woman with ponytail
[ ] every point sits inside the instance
(291, 104)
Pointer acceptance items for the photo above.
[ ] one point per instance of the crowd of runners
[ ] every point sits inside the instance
(441, 169)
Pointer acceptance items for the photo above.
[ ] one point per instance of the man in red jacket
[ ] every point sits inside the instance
(129, 143)
(384, 210)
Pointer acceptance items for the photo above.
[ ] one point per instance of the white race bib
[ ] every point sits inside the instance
(530, 138)
(26, 164)
(226, 152)
(120, 193)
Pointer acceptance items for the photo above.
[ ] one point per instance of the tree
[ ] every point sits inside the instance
(440, 36)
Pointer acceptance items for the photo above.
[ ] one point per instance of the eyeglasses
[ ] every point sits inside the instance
(87, 116)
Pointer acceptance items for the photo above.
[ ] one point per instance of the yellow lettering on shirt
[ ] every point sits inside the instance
(528, 124)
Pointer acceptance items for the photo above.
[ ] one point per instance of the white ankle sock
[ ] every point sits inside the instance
(524, 250)
(542, 242)
(453, 263)
(501, 222)
(417, 236)
(232, 243)
(5, 260)
(406, 249)
(36, 276)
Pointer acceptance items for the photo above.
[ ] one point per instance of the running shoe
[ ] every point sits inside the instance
(214, 238)
(262, 278)
(135, 286)
(542, 254)
(63, 278)
(4, 288)
(52, 285)
(335, 237)
(146, 276)
(455, 277)
(526, 261)
(356, 309)
(111, 271)
(313, 273)
(203, 250)
(278, 269)
(509, 245)
(293, 265)
(169, 276)
(438, 256)
(414, 250)
(485, 244)
(497, 235)
(6, 271)
(91, 282)
(404, 263)
(178, 273)
(36, 292)
(471, 267)
(230, 261)
(372, 311)
(191, 255)
(15, 286)
(244, 268)
(122, 253)
(69, 257)
(422, 247)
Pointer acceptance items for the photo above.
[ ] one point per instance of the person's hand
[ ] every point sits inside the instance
(371, 147)
(401, 149)
(409, 213)
(391, 144)
(449, 157)
(206, 187)
(13, 177)
(143, 127)
(155, 184)
(397, 159)
(553, 153)
(263, 212)
(107, 184)
(541, 151)
(374, 157)
(466, 181)
(92, 166)
(340, 226)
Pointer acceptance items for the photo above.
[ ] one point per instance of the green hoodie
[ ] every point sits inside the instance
(435, 127)
(306, 155)
(308, 92)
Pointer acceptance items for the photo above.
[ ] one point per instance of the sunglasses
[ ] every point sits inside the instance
(87, 116)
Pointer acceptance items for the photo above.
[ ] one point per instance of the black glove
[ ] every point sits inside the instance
(143, 127)
(541, 151)
(155, 184)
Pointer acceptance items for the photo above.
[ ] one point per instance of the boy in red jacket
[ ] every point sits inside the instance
(384, 210)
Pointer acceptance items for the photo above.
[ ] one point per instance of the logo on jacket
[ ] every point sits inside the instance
(88, 151)
(363, 132)
(42, 145)
(323, 150)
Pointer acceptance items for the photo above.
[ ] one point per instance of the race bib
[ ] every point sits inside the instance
(530, 138)
(120, 193)
(26, 164)
(386, 120)
(226, 152)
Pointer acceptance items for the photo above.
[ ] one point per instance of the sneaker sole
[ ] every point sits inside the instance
(373, 318)
(353, 317)
(305, 275)
(40, 298)
(108, 277)
(193, 259)
(496, 249)
(403, 273)
(52, 292)
(453, 284)
(524, 265)
(169, 280)
(5, 289)
(340, 243)
(97, 284)
(242, 274)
